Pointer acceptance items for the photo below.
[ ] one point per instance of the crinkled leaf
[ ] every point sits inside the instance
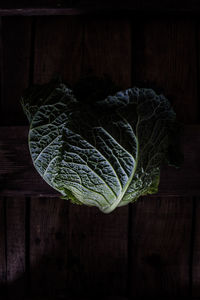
(104, 154)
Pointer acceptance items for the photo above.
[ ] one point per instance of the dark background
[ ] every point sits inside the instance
(51, 249)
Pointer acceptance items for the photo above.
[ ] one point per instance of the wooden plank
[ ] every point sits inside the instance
(98, 251)
(62, 57)
(107, 50)
(195, 282)
(160, 247)
(33, 3)
(82, 298)
(19, 172)
(57, 50)
(97, 242)
(161, 227)
(48, 246)
(51, 7)
(16, 39)
(19, 177)
(161, 59)
(174, 181)
(2, 248)
(15, 230)
(196, 250)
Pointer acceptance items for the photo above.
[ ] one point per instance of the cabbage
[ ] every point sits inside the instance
(104, 153)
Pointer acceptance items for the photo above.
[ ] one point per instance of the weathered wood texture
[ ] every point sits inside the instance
(160, 247)
(161, 228)
(63, 57)
(12, 247)
(49, 257)
(98, 252)
(196, 250)
(196, 230)
(71, 7)
(15, 57)
(15, 68)
(59, 250)
(84, 51)
(18, 176)
(15, 246)
(2, 248)
(163, 60)
(107, 49)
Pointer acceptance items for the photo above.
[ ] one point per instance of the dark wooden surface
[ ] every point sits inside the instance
(161, 53)
(15, 55)
(15, 245)
(160, 247)
(2, 248)
(49, 254)
(73, 7)
(162, 227)
(51, 249)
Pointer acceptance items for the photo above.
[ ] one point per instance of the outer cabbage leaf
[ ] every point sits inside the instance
(104, 154)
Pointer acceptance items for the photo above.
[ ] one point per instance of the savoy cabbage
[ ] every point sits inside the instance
(104, 153)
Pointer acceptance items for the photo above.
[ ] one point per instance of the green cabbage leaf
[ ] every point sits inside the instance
(104, 153)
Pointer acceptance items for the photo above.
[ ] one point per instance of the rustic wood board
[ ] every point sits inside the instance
(15, 56)
(63, 57)
(48, 246)
(12, 247)
(162, 60)
(196, 225)
(19, 177)
(161, 232)
(50, 7)
(16, 246)
(160, 247)
(97, 251)
(2, 248)
(16, 42)
(107, 49)
(195, 249)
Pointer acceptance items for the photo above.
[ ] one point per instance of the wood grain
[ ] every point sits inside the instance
(160, 244)
(19, 177)
(196, 224)
(16, 40)
(58, 49)
(48, 246)
(107, 49)
(161, 230)
(15, 230)
(2, 248)
(33, 3)
(88, 6)
(85, 250)
(162, 60)
(196, 250)
(97, 252)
